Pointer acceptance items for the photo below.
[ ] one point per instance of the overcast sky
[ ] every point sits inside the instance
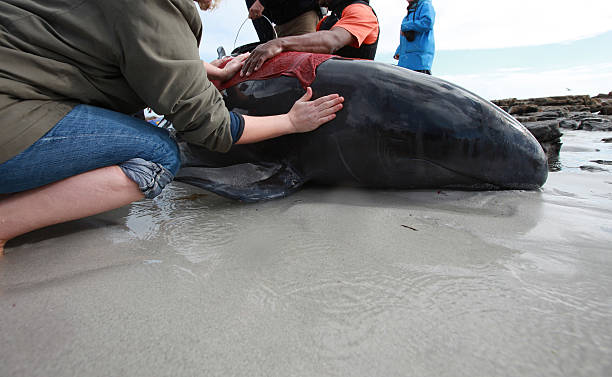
(465, 25)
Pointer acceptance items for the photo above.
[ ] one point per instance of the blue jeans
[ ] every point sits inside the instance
(88, 138)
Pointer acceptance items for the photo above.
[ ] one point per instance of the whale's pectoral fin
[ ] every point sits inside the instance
(246, 182)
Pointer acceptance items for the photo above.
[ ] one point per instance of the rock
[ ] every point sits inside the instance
(569, 124)
(595, 109)
(595, 124)
(523, 109)
(544, 117)
(553, 114)
(508, 102)
(526, 119)
(580, 109)
(578, 116)
(552, 149)
(606, 110)
(563, 100)
(592, 168)
(544, 131)
(549, 115)
(548, 135)
(602, 95)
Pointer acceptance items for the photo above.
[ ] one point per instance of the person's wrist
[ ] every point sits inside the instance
(222, 74)
(213, 73)
(289, 124)
(225, 75)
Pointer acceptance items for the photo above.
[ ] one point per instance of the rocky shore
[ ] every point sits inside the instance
(546, 117)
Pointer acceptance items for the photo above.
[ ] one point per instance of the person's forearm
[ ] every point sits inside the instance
(323, 42)
(262, 128)
(212, 72)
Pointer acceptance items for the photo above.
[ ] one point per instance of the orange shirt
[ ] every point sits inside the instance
(360, 21)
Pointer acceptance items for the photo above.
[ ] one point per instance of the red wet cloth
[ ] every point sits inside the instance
(301, 65)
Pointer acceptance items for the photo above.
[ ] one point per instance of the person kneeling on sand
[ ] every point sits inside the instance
(70, 74)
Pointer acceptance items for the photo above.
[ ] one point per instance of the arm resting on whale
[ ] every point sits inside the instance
(225, 68)
(323, 42)
(304, 116)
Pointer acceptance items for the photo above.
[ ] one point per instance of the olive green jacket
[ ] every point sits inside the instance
(122, 55)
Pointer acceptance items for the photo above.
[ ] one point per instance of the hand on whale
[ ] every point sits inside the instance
(305, 116)
(260, 55)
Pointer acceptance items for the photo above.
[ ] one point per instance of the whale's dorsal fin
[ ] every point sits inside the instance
(248, 182)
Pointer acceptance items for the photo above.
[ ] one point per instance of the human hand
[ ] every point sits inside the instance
(259, 56)
(233, 66)
(256, 10)
(204, 4)
(396, 57)
(219, 62)
(307, 115)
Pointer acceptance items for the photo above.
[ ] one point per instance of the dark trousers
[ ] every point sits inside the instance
(264, 29)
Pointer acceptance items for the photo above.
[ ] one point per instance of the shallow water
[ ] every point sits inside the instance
(585, 150)
(327, 282)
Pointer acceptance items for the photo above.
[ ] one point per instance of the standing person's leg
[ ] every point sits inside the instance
(64, 166)
(265, 31)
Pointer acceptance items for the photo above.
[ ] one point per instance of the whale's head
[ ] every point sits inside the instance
(405, 129)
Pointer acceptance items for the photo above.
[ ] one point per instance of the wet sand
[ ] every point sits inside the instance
(326, 282)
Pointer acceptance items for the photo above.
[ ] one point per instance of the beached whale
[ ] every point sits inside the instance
(398, 129)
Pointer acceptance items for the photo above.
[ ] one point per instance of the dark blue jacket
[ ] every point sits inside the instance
(419, 53)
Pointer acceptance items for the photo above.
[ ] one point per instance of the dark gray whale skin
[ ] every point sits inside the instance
(398, 130)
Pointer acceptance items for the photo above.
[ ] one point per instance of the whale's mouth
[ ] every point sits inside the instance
(438, 175)
(345, 163)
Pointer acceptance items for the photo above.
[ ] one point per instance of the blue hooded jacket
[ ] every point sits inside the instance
(419, 53)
